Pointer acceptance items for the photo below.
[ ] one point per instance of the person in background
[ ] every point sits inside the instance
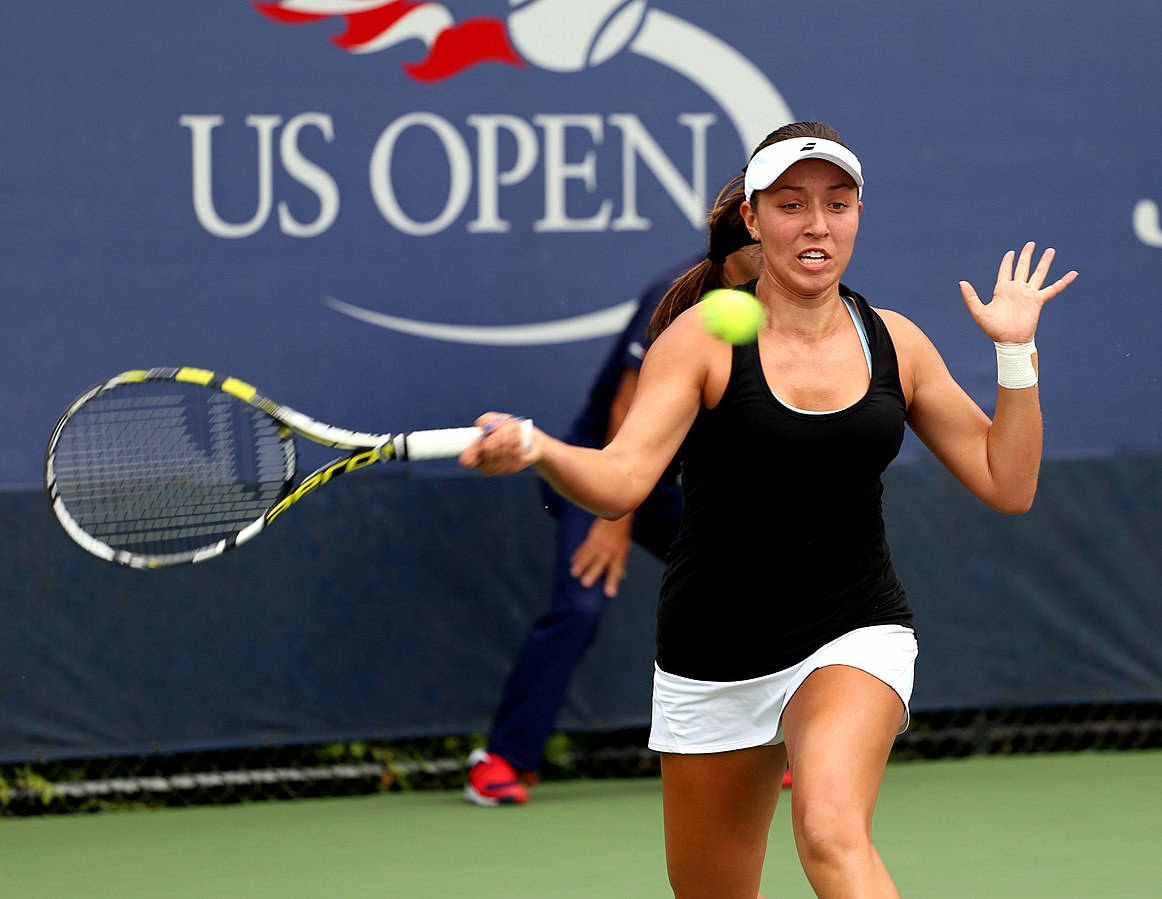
(591, 552)
(784, 634)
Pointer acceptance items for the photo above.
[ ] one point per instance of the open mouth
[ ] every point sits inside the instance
(813, 257)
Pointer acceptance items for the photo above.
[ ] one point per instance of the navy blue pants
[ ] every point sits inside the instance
(539, 680)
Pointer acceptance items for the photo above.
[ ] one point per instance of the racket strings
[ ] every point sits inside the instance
(166, 468)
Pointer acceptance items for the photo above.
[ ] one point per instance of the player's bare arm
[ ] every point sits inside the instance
(998, 460)
(616, 479)
(668, 397)
(947, 420)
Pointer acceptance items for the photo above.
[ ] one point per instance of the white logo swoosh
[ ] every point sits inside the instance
(734, 82)
(611, 320)
(737, 85)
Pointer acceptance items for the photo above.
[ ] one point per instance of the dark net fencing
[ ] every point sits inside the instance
(359, 768)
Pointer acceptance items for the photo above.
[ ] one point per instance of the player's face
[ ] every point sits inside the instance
(807, 221)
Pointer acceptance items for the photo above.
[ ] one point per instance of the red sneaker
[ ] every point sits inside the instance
(492, 781)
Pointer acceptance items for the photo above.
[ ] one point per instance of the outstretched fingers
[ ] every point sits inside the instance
(1017, 269)
(1005, 272)
(1037, 279)
(1059, 285)
(1042, 270)
(1011, 315)
(1024, 261)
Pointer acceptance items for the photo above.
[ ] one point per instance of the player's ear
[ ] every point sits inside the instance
(749, 218)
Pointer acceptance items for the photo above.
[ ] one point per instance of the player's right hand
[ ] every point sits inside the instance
(507, 445)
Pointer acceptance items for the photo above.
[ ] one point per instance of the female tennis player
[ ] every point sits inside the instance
(784, 635)
(592, 552)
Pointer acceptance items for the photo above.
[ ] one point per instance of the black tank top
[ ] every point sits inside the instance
(781, 547)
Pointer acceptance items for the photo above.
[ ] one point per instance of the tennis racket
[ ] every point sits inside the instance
(173, 466)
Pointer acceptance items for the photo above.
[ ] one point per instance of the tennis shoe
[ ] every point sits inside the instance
(493, 781)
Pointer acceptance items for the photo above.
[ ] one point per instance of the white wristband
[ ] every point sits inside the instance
(1015, 365)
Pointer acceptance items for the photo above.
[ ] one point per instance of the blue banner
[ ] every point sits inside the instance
(399, 214)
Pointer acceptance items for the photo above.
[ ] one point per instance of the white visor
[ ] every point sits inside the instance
(771, 161)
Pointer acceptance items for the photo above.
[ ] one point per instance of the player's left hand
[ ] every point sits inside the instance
(1012, 315)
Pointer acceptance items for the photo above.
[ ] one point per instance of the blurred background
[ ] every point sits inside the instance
(397, 215)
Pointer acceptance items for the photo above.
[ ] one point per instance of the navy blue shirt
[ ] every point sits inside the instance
(591, 427)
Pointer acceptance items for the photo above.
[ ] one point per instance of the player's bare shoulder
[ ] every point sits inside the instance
(906, 335)
(899, 326)
(685, 335)
(916, 354)
(687, 348)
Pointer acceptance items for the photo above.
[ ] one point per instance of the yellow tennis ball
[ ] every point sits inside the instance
(732, 315)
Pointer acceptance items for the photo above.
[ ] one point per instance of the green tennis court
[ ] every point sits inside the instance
(1080, 825)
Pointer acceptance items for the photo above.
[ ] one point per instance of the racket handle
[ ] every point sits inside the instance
(446, 443)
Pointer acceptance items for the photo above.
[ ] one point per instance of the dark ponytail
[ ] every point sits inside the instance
(727, 233)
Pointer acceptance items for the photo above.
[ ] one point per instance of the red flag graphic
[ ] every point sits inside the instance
(456, 48)
(451, 49)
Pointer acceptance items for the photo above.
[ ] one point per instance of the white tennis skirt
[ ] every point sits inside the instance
(695, 716)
